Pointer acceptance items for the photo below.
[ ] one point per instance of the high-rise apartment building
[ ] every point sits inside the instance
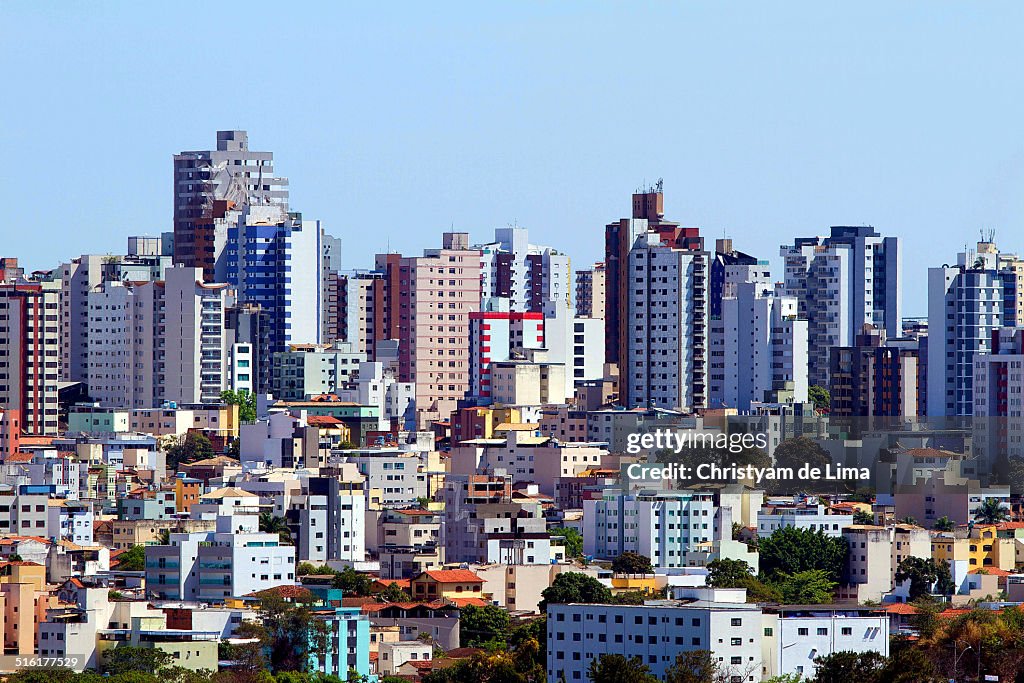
(590, 292)
(967, 303)
(30, 354)
(667, 324)
(875, 377)
(495, 333)
(231, 172)
(528, 275)
(758, 350)
(83, 274)
(274, 259)
(151, 342)
(999, 396)
(620, 237)
(843, 282)
(729, 267)
(436, 294)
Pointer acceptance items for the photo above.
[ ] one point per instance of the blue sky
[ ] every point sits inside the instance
(395, 121)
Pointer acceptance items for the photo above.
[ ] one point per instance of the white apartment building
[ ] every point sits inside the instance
(666, 359)
(758, 349)
(655, 632)
(528, 275)
(157, 341)
(967, 303)
(233, 561)
(811, 515)
(794, 636)
(662, 525)
(377, 385)
(843, 281)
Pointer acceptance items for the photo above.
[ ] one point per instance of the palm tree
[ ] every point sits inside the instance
(991, 511)
(944, 524)
(269, 524)
(164, 537)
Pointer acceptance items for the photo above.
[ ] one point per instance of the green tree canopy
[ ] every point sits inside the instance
(811, 587)
(132, 560)
(925, 575)
(632, 563)
(991, 511)
(618, 669)
(573, 540)
(126, 658)
(820, 397)
(575, 587)
(245, 401)
(483, 626)
(195, 447)
(847, 667)
(790, 550)
(695, 666)
(944, 523)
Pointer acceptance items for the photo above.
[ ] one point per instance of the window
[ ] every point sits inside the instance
(801, 632)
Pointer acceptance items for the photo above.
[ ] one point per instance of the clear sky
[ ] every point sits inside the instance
(395, 121)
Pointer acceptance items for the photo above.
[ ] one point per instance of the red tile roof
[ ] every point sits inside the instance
(475, 602)
(452, 576)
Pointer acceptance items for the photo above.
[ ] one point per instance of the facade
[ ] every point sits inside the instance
(758, 350)
(527, 275)
(729, 266)
(273, 259)
(230, 173)
(655, 632)
(30, 350)
(967, 303)
(661, 525)
(666, 358)
(998, 383)
(437, 292)
(158, 341)
(590, 292)
(494, 335)
(843, 281)
(306, 370)
(875, 377)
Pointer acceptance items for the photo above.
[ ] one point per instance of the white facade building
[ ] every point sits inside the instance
(667, 326)
(661, 525)
(758, 350)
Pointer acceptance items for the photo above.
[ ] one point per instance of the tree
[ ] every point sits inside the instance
(245, 401)
(351, 581)
(132, 560)
(991, 511)
(695, 666)
(127, 658)
(846, 667)
(925, 575)
(861, 517)
(164, 537)
(812, 587)
(572, 539)
(269, 524)
(483, 626)
(618, 669)
(790, 550)
(632, 563)
(291, 633)
(820, 397)
(195, 447)
(944, 523)
(575, 587)
(726, 573)
(394, 594)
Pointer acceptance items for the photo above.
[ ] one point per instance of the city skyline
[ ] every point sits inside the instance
(874, 135)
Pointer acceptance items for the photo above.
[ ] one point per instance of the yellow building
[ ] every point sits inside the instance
(192, 650)
(186, 492)
(979, 547)
(627, 583)
(448, 584)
